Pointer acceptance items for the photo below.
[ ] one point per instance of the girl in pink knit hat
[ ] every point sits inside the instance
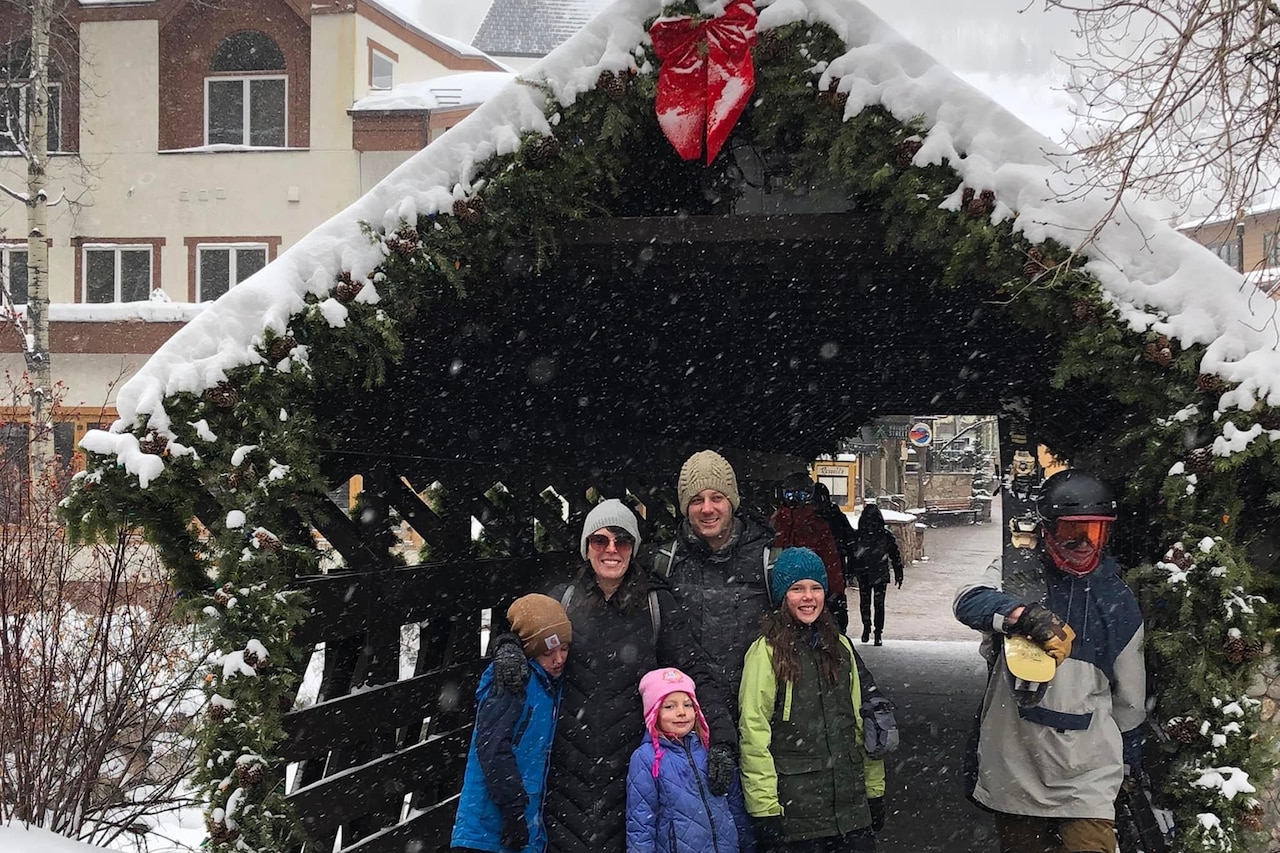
(667, 792)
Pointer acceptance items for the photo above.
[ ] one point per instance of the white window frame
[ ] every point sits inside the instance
(6, 263)
(117, 248)
(246, 106)
(234, 248)
(23, 86)
(374, 55)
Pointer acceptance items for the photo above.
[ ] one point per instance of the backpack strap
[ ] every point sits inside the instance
(655, 615)
(566, 597)
(665, 559)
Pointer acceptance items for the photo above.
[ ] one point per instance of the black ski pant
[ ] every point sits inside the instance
(868, 597)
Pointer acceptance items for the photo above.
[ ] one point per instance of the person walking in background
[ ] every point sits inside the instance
(502, 789)
(669, 806)
(799, 523)
(875, 556)
(807, 780)
(1050, 762)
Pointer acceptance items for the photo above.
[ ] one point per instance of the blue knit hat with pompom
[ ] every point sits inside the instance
(795, 564)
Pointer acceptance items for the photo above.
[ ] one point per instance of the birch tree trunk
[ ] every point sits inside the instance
(39, 363)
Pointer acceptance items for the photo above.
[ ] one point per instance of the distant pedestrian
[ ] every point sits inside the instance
(875, 557)
(502, 790)
(808, 781)
(799, 523)
(670, 808)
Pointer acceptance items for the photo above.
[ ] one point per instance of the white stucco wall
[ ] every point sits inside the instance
(412, 66)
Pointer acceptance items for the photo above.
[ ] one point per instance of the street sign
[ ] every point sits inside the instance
(920, 434)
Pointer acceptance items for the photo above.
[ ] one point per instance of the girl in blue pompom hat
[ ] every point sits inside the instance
(806, 776)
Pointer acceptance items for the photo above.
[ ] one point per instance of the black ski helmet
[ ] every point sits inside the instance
(1075, 493)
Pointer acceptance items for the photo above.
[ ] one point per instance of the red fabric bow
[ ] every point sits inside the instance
(707, 77)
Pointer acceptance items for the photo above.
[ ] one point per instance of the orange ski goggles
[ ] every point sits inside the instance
(1075, 542)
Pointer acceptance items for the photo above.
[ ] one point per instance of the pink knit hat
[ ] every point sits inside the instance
(656, 686)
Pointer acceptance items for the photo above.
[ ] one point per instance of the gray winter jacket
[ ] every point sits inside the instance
(1063, 757)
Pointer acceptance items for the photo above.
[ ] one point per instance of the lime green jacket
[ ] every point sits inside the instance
(802, 751)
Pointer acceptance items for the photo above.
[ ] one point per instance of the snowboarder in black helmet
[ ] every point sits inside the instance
(1051, 770)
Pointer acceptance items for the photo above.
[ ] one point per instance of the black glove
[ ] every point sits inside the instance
(769, 830)
(510, 666)
(720, 769)
(899, 583)
(1046, 628)
(515, 833)
(877, 813)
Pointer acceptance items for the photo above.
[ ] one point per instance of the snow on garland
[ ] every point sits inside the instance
(204, 433)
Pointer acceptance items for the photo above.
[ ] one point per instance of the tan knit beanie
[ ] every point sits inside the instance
(707, 469)
(541, 623)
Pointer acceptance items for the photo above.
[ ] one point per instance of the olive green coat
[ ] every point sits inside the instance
(802, 753)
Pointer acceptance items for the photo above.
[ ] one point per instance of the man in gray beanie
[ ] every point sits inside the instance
(717, 567)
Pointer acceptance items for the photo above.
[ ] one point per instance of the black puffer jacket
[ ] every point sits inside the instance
(875, 551)
(724, 593)
(601, 718)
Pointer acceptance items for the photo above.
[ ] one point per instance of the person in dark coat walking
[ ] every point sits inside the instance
(625, 624)
(875, 555)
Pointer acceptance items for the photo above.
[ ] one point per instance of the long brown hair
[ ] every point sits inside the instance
(784, 632)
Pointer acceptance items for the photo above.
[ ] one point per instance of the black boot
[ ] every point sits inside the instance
(866, 633)
(879, 642)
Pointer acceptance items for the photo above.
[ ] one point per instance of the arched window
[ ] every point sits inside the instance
(246, 94)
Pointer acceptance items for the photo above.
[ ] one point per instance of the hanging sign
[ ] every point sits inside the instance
(706, 79)
(920, 434)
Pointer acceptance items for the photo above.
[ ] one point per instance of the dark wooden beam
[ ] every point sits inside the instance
(669, 230)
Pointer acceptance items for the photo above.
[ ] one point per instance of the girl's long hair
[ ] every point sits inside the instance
(784, 633)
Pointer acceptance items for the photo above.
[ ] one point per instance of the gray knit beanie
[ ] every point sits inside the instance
(610, 513)
(707, 469)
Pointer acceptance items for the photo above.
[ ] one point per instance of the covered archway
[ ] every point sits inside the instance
(548, 298)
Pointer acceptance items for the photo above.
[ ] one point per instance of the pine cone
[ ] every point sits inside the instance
(1210, 384)
(613, 84)
(1200, 461)
(404, 242)
(219, 712)
(347, 289)
(218, 831)
(1270, 419)
(1086, 312)
(223, 395)
(222, 597)
(267, 541)
(905, 151)
(545, 149)
(1252, 819)
(281, 347)
(769, 45)
(249, 774)
(832, 97)
(258, 663)
(1182, 729)
(978, 205)
(469, 210)
(154, 444)
(1253, 649)
(1034, 264)
(1179, 558)
(1235, 650)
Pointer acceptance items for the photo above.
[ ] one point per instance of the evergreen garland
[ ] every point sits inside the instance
(244, 456)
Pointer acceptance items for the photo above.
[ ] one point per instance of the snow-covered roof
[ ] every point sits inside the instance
(1158, 279)
(467, 89)
(409, 13)
(1267, 280)
(532, 27)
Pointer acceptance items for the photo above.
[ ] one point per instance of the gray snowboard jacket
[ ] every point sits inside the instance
(1063, 757)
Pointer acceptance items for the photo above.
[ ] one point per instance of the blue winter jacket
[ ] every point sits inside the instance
(507, 764)
(675, 813)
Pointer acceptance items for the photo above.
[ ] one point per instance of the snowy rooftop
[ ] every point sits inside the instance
(533, 27)
(467, 89)
(407, 12)
(1157, 278)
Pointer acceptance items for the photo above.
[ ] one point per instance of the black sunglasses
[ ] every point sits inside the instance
(601, 542)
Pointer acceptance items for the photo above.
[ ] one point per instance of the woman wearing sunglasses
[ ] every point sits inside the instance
(625, 623)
